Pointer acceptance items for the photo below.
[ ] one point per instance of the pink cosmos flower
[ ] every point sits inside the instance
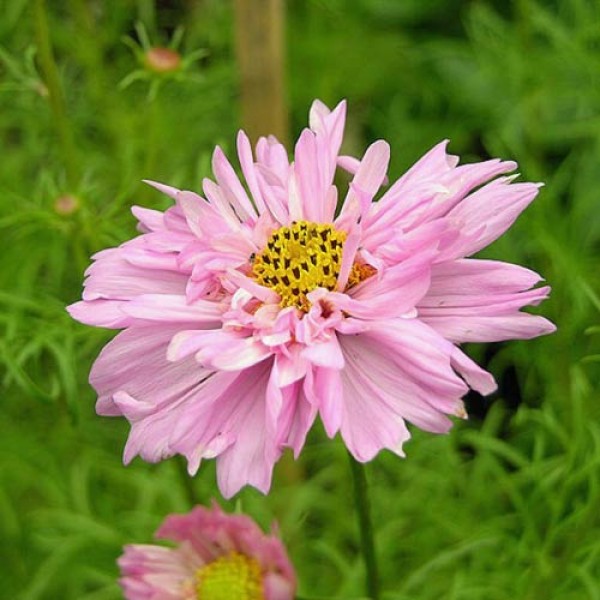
(251, 310)
(216, 556)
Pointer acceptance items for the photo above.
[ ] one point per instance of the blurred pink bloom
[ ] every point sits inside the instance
(250, 311)
(216, 556)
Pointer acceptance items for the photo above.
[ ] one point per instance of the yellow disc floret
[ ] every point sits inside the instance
(360, 272)
(299, 259)
(233, 576)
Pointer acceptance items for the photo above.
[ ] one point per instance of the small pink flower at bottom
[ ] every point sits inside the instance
(217, 556)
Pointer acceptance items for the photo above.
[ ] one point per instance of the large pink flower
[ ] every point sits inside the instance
(216, 556)
(251, 310)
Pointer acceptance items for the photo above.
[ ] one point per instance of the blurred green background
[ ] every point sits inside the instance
(507, 505)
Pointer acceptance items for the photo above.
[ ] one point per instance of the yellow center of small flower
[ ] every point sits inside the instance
(299, 259)
(234, 576)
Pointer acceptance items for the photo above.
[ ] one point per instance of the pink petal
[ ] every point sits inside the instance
(135, 361)
(473, 276)
(472, 373)
(324, 390)
(171, 308)
(100, 313)
(349, 164)
(230, 184)
(301, 421)
(348, 255)
(459, 329)
(497, 206)
(394, 293)
(251, 458)
(150, 220)
(326, 353)
(272, 157)
(370, 174)
(221, 206)
(307, 167)
(112, 277)
(249, 170)
(400, 369)
(161, 187)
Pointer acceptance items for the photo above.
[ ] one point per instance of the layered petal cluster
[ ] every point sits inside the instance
(273, 299)
(216, 556)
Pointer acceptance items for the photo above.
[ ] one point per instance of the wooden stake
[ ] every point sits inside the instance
(259, 26)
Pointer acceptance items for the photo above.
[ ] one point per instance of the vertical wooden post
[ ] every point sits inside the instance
(259, 36)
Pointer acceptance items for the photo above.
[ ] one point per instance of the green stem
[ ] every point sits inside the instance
(55, 92)
(363, 513)
(187, 482)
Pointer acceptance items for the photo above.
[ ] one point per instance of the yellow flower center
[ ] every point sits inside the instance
(303, 257)
(299, 259)
(234, 576)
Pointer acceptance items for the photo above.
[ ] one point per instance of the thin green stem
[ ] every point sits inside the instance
(187, 482)
(363, 513)
(55, 92)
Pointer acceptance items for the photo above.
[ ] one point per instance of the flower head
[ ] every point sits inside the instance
(217, 557)
(250, 311)
(162, 60)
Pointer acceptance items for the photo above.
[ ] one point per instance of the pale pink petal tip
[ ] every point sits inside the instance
(202, 537)
(161, 187)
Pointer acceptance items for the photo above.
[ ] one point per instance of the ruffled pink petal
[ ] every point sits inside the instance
(379, 297)
(490, 328)
(351, 246)
(325, 353)
(495, 206)
(349, 164)
(483, 303)
(149, 220)
(476, 276)
(135, 361)
(152, 426)
(282, 408)
(278, 587)
(113, 277)
(210, 218)
(100, 313)
(272, 158)
(290, 365)
(369, 176)
(315, 162)
(400, 369)
(229, 407)
(231, 186)
(430, 190)
(476, 378)
(329, 129)
(309, 180)
(227, 351)
(406, 193)
(323, 389)
(153, 573)
(251, 459)
(171, 308)
(476, 300)
(368, 423)
(161, 187)
(210, 532)
(249, 170)
(301, 420)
